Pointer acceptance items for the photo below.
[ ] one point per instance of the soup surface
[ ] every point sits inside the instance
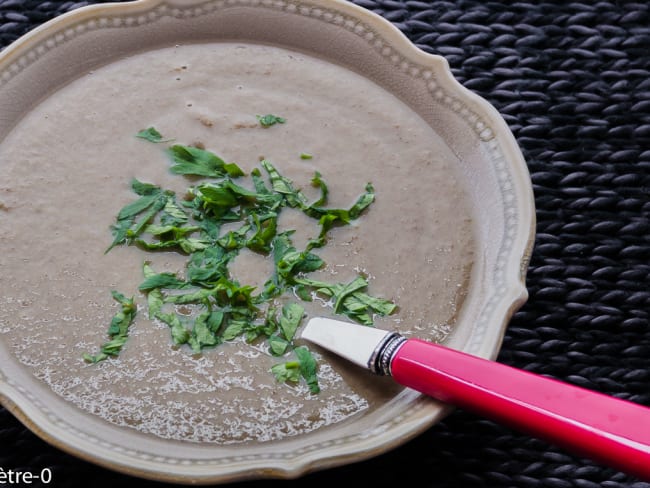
(65, 173)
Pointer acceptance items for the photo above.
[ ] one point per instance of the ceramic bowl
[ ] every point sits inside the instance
(485, 153)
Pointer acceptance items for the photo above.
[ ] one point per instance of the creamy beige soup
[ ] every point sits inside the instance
(65, 172)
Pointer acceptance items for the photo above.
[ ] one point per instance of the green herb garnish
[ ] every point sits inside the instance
(269, 119)
(151, 135)
(194, 161)
(204, 306)
(118, 330)
(305, 366)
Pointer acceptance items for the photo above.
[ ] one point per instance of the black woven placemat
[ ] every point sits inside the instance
(573, 82)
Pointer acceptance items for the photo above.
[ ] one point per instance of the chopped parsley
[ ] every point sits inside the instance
(151, 135)
(204, 306)
(193, 161)
(269, 119)
(118, 330)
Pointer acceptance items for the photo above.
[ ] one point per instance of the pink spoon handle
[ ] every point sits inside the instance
(609, 430)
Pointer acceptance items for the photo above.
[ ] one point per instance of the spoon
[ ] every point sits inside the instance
(609, 430)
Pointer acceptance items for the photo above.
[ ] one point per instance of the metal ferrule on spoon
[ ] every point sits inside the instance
(612, 431)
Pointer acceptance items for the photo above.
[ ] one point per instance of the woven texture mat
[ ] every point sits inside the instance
(572, 80)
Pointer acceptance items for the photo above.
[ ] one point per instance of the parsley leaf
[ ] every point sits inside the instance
(161, 280)
(308, 368)
(284, 186)
(269, 119)
(264, 234)
(305, 367)
(193, 161)
(203, 333)
(118, 330)
(289, 371)
(152, 135)
(317, 182)
(152, 200)
(350, 299)
(154, 296)
(292, 314)
(278, 345)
